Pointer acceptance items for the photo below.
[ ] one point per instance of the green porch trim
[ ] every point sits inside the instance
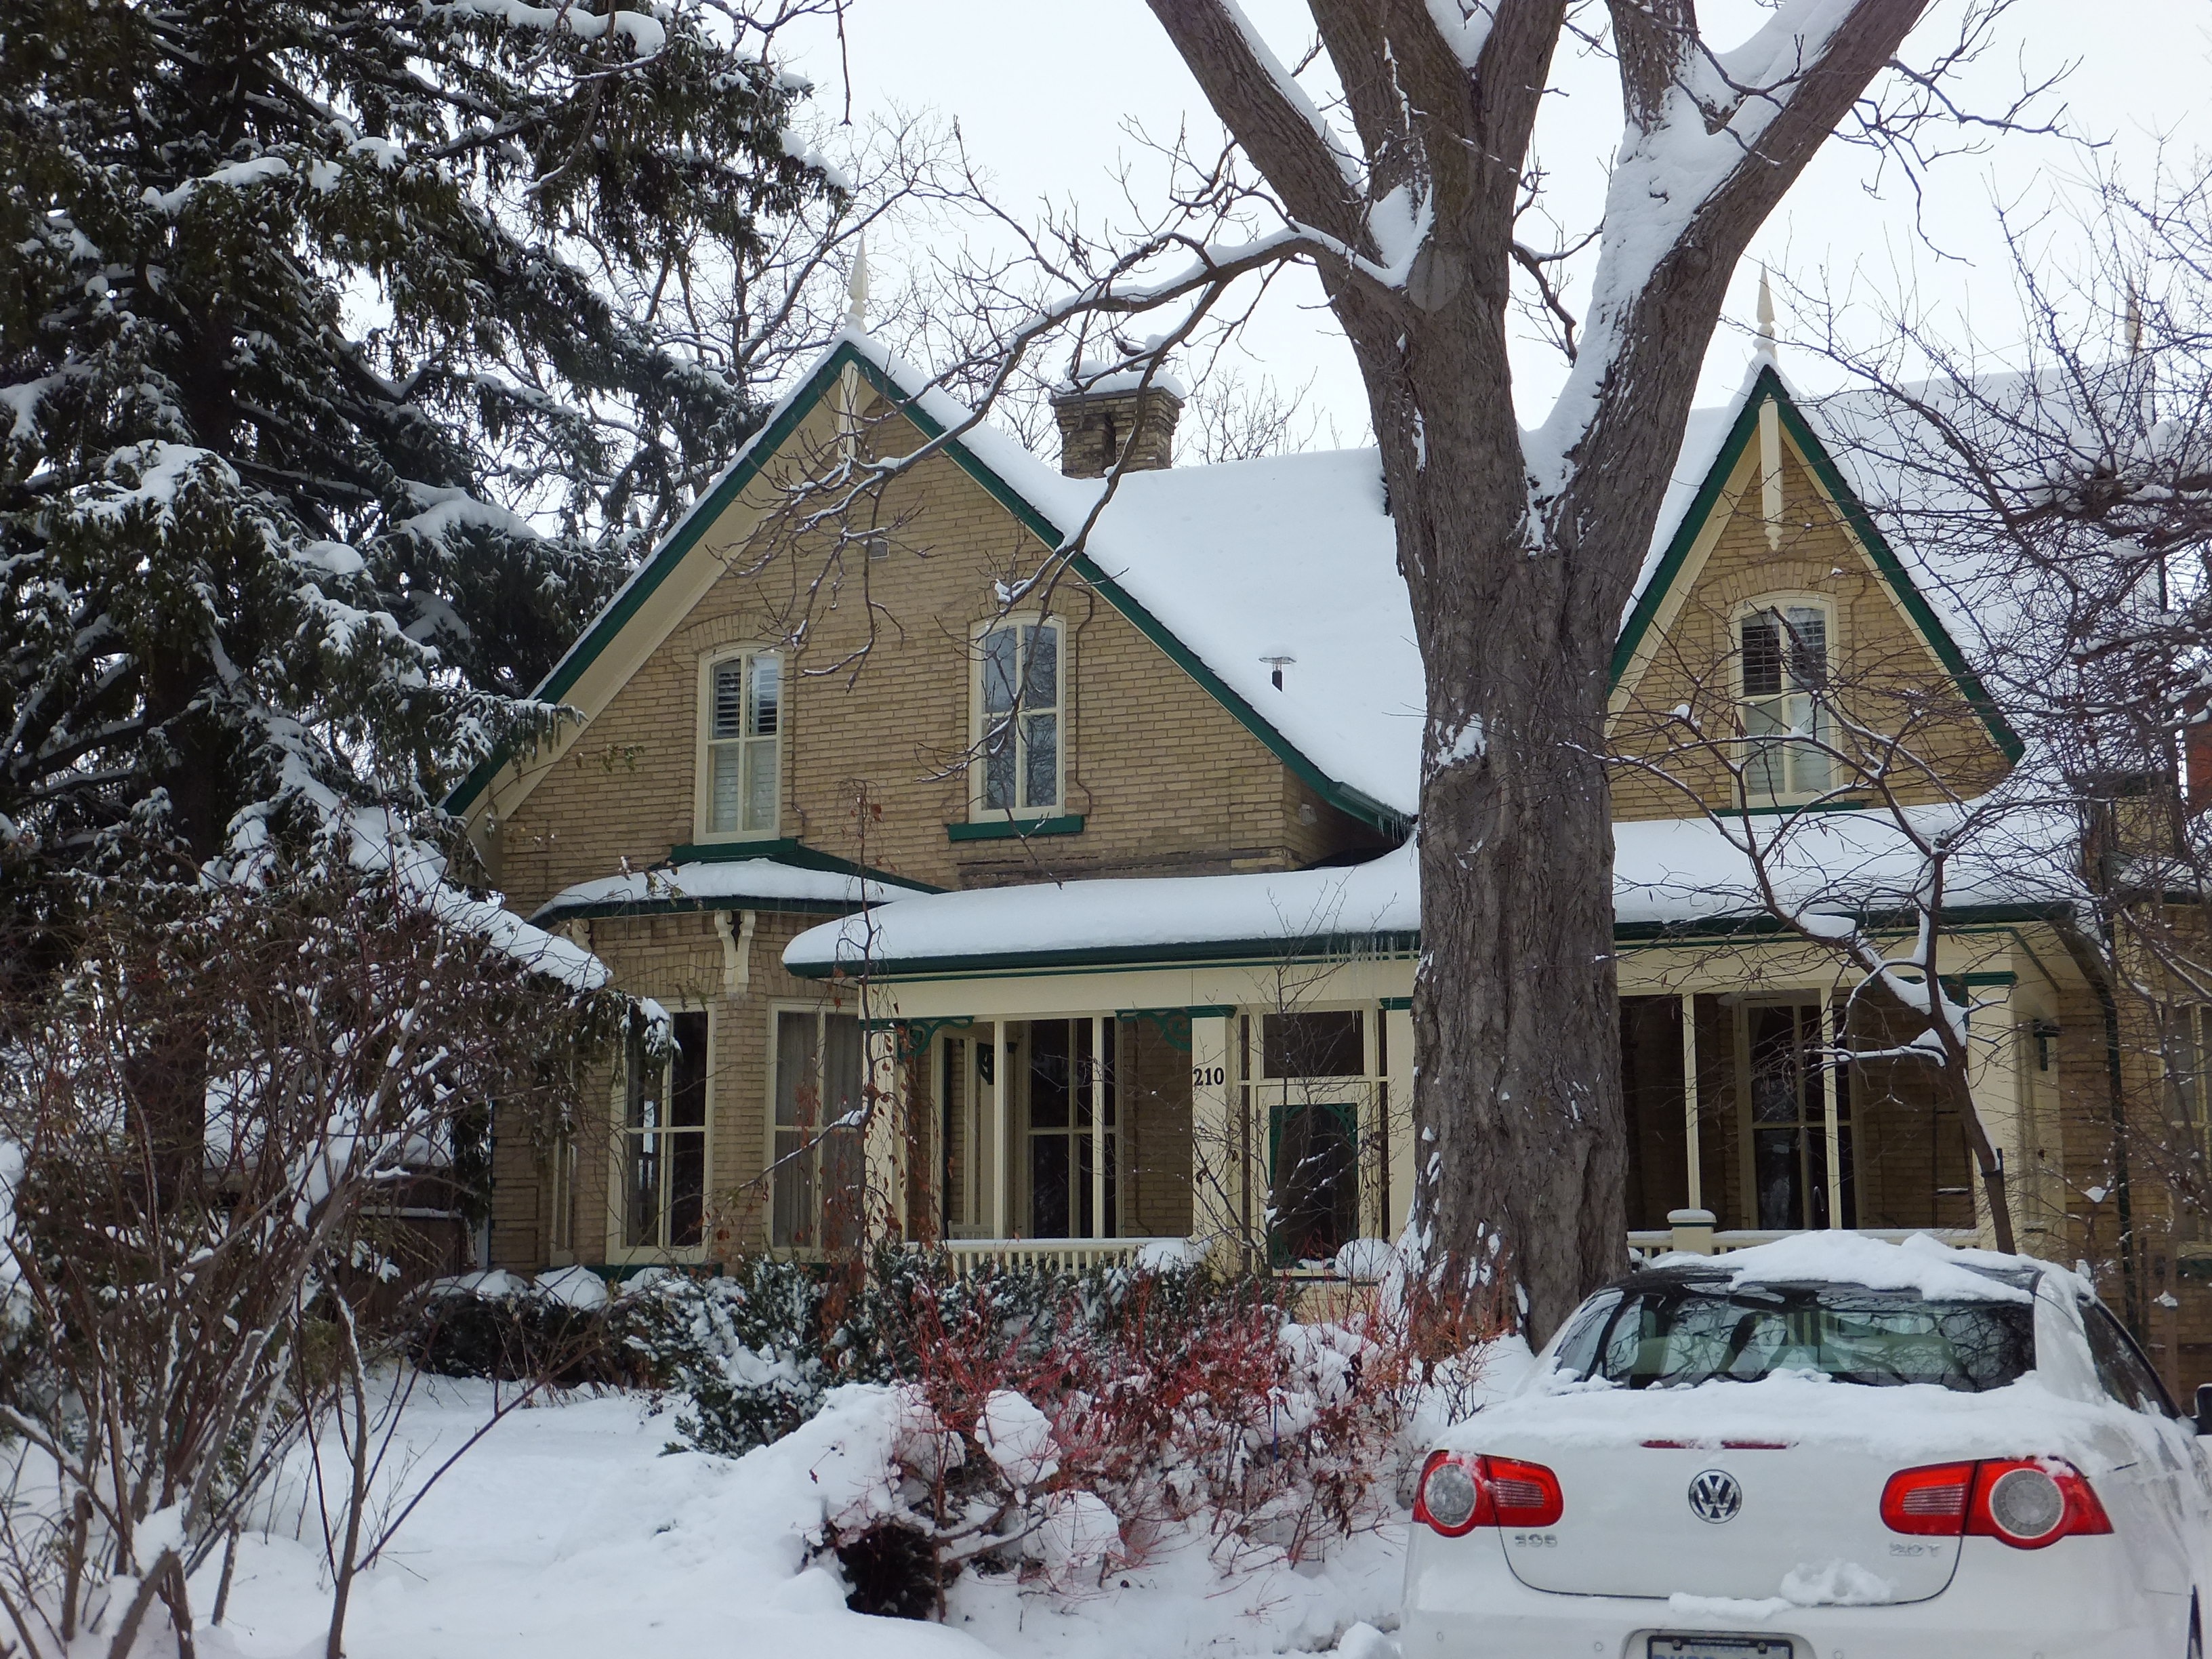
(1891, 569)
(1210, 952)
(1397, 1004)
(1015, 829)
(1959, 917)
(674, 905)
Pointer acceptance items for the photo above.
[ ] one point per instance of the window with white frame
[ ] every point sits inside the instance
(1782, 670)
(742, 724)
(1019, 684)
(820, 1135)
(663, 1162)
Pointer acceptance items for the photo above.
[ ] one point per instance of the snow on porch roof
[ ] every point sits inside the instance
(764, 883)
(1667, 874)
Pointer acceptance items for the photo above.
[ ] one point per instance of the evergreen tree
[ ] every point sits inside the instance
(337, 384)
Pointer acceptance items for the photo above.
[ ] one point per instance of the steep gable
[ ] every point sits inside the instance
(1896, 668)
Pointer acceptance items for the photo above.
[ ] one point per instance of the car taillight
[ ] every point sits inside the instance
(1460, 1491)
(2027, 1502)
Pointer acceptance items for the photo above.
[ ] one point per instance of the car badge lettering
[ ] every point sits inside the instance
(1716, 1496)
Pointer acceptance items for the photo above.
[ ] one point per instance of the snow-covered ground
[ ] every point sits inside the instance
(568, 1533)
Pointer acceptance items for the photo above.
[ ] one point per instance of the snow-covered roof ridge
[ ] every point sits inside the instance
(765, 882)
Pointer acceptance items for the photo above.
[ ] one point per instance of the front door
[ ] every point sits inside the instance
(1314, 1178)
(1786, 1075)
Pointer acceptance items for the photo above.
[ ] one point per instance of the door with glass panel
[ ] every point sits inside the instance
(1783, 1070)
(819, 1178)
(1316, 1098)
(664, 1141)
(1072, 1119)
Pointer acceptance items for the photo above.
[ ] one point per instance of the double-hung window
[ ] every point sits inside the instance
(1018, 704)
(1783, 664)
(743, 721)
(664, 1138)
(820, 1131)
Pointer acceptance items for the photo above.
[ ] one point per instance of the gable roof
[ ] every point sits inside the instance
(1718, 438)
(1230, 567)
(1171, 554)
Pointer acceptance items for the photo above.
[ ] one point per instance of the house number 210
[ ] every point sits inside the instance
(1207, 1077)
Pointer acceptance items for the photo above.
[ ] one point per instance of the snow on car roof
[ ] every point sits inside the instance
(1927, 1267)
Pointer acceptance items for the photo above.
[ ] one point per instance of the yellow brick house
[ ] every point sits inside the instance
(1065, 906)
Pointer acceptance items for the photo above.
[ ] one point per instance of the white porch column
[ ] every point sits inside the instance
(1994, 1079)
(1001, 1189)
(1694, 1186)
(1398, 1108)
(1100, 1027)
(887, 1145)
(1220, 1190)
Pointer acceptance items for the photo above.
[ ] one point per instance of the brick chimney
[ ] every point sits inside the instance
(1099, 419)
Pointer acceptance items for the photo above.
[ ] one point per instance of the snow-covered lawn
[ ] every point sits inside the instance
(568, 1533)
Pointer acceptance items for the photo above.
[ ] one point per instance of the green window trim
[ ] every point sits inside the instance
(1068, 823)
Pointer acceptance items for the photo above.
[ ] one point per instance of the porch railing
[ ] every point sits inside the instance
(968, 1254)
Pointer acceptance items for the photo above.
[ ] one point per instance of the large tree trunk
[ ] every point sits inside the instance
(1519, 558)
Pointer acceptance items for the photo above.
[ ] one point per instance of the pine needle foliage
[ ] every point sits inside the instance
(344, 374)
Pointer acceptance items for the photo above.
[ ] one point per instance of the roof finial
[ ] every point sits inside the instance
(1767, 346)
(856, 312)
(2135, 321)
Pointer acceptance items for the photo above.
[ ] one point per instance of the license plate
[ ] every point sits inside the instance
(1719, 1647)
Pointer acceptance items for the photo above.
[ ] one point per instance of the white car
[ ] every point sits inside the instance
(1827, 1448)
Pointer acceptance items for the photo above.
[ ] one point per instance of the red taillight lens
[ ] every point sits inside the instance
(2032, 1502)
(2026, 1501)
(1460, 1491)
(1930, 1502)
(1523, 1494)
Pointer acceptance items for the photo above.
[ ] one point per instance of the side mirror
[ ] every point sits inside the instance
(2204, 1408)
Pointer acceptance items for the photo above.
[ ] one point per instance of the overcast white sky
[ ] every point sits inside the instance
(1041, 90)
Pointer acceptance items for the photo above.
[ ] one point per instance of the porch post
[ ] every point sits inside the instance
(1994, 1079)
(885, 1149)
(1218, 1187)
(1398, 1109)
(1829, 1115)
(1098, 1126)
(1001, 1177)
(1694, 1189)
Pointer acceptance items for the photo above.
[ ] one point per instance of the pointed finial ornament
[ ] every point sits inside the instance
(1767, 346)
(856, 311)
(2135, 321)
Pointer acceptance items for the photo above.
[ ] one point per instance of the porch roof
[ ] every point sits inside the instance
(795, 880)
(1669, 875)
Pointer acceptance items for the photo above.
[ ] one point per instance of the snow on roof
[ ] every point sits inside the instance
(763, 883)
(1289, 558)
(1672, 871)
(1283, 910)
(1666, 871)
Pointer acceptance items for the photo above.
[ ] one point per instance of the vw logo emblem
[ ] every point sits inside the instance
(1715, 1497)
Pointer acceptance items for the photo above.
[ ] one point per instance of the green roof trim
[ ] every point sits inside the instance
(1768, 384)
(1212, 952)
(695, 523)
(1015, 829)
(1352, 802)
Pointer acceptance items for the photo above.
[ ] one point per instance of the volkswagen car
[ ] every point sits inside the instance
(1827, 1448)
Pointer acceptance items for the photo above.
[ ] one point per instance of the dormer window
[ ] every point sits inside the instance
(1019, 684)
(741, 724)
(1783, 662)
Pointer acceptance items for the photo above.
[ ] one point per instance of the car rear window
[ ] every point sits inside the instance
(1680, 1335)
